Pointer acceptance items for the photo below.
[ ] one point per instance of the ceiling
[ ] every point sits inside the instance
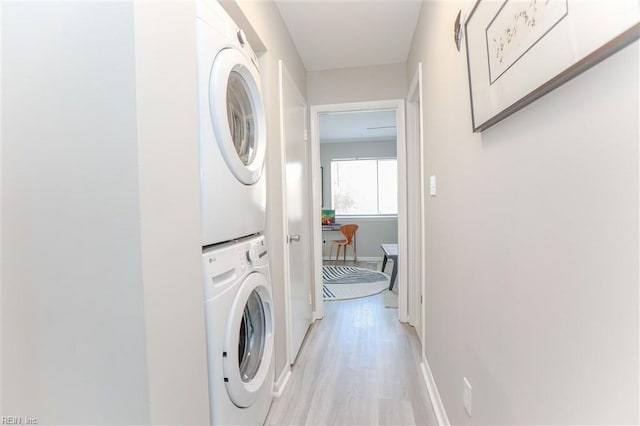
(331, 34)
(357, 126)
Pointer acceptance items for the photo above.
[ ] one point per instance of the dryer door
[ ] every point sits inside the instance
(237, 114)
(248, 343)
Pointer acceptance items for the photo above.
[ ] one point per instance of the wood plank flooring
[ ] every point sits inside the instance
(358, 366)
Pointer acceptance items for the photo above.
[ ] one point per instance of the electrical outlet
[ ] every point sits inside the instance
(466, 396)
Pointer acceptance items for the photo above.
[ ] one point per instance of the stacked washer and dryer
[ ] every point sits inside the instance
(238, 303)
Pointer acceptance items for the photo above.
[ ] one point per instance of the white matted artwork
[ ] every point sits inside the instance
(519, 50)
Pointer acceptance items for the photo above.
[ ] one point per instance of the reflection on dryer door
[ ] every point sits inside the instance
(294, 109)
(237, 114)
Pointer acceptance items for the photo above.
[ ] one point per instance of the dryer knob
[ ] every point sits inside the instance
(252, 254)
(242, 38)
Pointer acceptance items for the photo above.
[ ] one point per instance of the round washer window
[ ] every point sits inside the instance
(241, 116)
(252, 338)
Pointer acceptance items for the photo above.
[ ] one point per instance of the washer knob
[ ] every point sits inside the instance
(242, 38)
(252, 254)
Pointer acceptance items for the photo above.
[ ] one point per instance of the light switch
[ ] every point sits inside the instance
(432, 186)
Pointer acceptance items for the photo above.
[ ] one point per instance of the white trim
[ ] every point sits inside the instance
(403, 237)
(316, 217)
(282, 382)
(434, 395)
(399, 106)
(423, 208)
(283, 218)
(417, 219)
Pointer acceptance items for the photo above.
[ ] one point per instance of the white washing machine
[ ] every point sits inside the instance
(233, 133)
(239, 324)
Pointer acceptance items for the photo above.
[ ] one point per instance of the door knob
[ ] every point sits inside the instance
(292, 238)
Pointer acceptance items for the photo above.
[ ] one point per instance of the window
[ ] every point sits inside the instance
(364, 187)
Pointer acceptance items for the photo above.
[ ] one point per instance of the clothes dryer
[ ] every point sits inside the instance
(232, 127)
(239, 326)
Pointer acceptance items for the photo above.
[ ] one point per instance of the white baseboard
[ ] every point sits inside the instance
(434, 395)
(281, 383)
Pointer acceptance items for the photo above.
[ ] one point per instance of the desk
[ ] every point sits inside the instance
(331, 227)
(335, 227)
(390, 251)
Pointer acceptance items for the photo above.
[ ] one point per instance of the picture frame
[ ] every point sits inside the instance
(518, 51)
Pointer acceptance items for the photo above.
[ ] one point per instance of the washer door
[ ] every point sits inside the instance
(237, 114)
(248, 343)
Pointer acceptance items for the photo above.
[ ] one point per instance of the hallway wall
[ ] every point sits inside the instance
(269, 27)
(361, 84)
(102, 319)
(73, 325)
(532, 242)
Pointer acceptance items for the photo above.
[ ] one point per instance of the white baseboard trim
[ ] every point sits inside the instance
(281, 383)
(360, 258)
(434, 395)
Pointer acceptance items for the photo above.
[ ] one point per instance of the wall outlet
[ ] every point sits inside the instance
(466, 396)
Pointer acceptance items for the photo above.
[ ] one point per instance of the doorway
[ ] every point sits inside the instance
(396, 106)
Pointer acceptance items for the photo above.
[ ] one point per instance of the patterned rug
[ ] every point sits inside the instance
(349, 282)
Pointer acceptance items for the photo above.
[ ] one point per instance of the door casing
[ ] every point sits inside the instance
(398, 105)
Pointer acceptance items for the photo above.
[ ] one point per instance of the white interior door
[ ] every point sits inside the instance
(298, 225)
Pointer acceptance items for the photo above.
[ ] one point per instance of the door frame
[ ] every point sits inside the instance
(398, 105)
(417, 274)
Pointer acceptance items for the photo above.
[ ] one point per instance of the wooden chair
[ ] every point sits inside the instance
(349, 231)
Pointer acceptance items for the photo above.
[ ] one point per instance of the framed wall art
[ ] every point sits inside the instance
(519, 50)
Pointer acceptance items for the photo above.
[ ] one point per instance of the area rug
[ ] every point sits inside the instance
(349, 282)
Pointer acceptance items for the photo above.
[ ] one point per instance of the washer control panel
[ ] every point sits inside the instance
(225, 264)
(252, 254)
(256, 254)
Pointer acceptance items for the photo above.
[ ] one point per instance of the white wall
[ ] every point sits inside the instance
(1, 221)
(73, 326)
(359, 84)
(372, 231)
(271, 30)
(102, 288)
(532, 242)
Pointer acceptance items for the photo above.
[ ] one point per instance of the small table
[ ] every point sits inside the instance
(390, 251)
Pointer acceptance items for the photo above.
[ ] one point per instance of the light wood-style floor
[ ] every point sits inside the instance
(358, 366)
